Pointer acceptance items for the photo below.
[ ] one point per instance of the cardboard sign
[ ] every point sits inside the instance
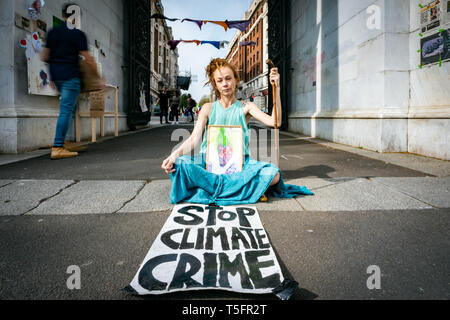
(206, 247)
(97, 103)
(225, 149)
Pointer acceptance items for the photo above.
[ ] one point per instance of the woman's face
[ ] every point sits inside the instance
(225, 81)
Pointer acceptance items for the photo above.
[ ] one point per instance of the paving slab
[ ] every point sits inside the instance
(434, 191)
(91, 197)
(355, 194)
(22, 196)
(154, 197)
(5, 182)
(274, 204)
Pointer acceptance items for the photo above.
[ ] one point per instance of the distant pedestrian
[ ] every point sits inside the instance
(190, 107)
(163, 101)
(62, 51)
(175, 106)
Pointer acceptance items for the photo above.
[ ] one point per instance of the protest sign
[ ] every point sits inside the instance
(211, 248)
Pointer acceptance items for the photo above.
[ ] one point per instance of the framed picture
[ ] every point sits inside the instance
(435, 47)
(39, 82)
(225, 149)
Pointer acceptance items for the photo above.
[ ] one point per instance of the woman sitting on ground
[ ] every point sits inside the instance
(192, 183)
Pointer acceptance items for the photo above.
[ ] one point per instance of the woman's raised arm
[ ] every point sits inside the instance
(256, 113)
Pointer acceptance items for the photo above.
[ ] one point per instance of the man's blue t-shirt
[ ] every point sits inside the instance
(65, 46)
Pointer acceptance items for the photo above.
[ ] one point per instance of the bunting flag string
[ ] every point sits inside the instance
(160, 16)
(218, 44)
(247, 43)
(241, 25)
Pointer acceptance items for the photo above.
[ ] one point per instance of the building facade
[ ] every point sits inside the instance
(164, 64)
(121, 47)
(366, 73)
(250, 60)
(28, 120)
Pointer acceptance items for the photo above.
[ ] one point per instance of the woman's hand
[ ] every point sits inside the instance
(168, 164)
(275, 77)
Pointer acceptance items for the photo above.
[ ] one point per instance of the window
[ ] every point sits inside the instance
(159, 69)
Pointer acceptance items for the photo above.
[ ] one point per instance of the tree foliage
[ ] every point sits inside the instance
(203, 100)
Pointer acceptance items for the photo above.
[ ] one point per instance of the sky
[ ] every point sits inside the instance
(195, 58)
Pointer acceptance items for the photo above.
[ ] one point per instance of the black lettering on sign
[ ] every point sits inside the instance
(228, 267)
(252, 238)
(210, 270)
(184, 242)
(260, 238)
(212, 215)
(231, 216)
(243, 213)
(196, 220)
(183, 274)
(259, 282)
(146, 278)
(236, 235)
(166, 238)
(199, 245)
(211, 234)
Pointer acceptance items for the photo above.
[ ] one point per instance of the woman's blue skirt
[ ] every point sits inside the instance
(191, 183)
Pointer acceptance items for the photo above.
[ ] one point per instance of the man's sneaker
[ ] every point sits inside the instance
(61, 153)
(74, 147)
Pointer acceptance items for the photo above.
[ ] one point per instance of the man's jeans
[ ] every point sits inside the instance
(69, 91)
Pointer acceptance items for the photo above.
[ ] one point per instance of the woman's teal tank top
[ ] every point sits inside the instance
(233, 116)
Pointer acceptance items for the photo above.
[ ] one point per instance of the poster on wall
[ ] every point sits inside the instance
(39, 82)
(435, 14)
(435, 47)
(212, 248)
(225, 148)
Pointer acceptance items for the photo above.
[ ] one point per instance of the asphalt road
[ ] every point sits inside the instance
(139, 157)
(327, 253)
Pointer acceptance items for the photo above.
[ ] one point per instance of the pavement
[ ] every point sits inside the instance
(102, 210)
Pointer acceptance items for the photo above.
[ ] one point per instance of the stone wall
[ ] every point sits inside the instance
(359, 84)
(28, 122)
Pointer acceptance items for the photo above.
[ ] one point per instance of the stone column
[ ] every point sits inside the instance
(8, 121)
(394, 115)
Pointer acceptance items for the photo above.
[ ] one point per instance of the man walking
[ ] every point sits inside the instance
(163, 101)
(175, 106)
(190, 107)
(62, 50)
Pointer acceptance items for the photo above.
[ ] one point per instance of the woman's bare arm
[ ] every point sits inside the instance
(191, 142)
(196, 136)
(256, 113)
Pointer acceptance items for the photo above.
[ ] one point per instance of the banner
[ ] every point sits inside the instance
(173, 44)
(435, 14)
(241, 25)
(435, 48)
(212, 248)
